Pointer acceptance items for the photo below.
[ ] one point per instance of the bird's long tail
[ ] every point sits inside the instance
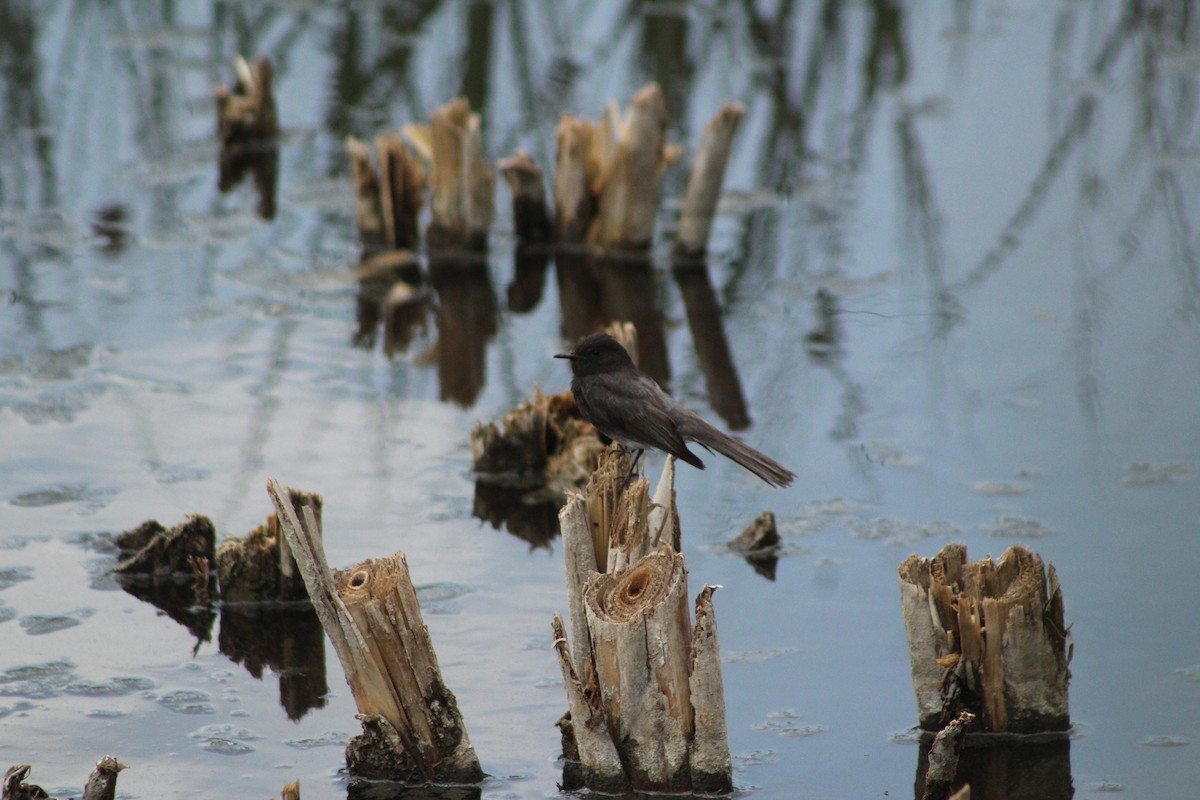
(771, 471)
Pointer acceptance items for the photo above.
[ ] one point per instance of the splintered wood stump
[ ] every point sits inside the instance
(259, 566)
(101, 784)
(463, 184)
(388, 200)
(531, 217)
(987, 637)
(641, 654)
(248, 128)
(412, 730)
(647, 708)
(541, 442)
(171, 570)
(574, 178)
(705, 181)
(607, 174)
(246, 113)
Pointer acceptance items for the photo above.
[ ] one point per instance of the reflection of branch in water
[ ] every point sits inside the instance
(923, 220)
(540, 103)
(286, 638)
(1179, 223)
(23, 107)
(1090, 301)
(824, 346)
(664, 58)
(628, 293)
(712, 346)
(366, 85)
(1077, 126)
(266, 406)
(477, 56)
(466, 321)
(783, 149)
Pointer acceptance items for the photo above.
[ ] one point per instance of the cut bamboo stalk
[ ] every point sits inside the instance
(246, 112)
(989, 638)
(463, 185)
(412, 730)
(580, 557)
(248, 128)
(368, 207)
(402, 185)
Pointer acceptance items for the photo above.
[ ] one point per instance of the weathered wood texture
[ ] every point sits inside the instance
(259, 567)
(943, 756)
(463, 184)
(388, 198)
(531, 216)
(413, 732)
(987, 637)
(607, 174)
(643, 686)
(705, 181)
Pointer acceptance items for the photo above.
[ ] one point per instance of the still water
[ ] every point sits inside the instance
(959, 273)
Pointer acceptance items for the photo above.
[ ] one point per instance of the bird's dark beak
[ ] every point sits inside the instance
(569, 356)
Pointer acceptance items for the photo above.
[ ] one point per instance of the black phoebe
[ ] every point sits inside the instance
(627, 406)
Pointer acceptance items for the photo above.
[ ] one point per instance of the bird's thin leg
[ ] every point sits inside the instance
(637, 454)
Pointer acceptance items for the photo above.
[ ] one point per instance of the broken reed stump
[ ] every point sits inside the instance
(259, 567)
(527, 461)
(533, 227)
(463, 186)
(704, 183)
(290, 791)
(541, 442)
(170, 570)
(607, 174)
(987, 637)
(412, 730)
(101, 784)
(647, 707)
(759, 544)
(388, 199)
(705, 321)
(248, 129)
(531, 216)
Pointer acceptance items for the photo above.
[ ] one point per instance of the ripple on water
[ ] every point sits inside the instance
(57, 494)
(113, 687)
(42, 624)
(37, 681)
(225, 739)
(187, 701)
(326, 739)
(14, 575)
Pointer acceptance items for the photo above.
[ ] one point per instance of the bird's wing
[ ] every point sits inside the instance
(635, 412)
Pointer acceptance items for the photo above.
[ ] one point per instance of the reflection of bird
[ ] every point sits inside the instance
(627, 406)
